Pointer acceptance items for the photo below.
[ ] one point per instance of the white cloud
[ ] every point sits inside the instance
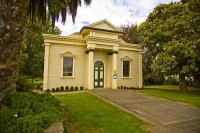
(115, 11)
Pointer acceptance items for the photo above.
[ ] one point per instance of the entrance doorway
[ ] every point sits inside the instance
(98, 74)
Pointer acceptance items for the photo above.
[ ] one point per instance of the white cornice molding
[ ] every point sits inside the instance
(62, 38)
(129, 45)
(101, 39)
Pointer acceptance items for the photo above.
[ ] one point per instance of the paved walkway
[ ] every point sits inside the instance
(166, 116)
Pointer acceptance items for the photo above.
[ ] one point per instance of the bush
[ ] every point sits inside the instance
(124, 87)
(118, 87)
(53, 89)
(28, 112)
(76, 88)
(81, 88)
(172, 81)
(57, 89)
(121, 87)
(66, 88)
(71, 88)
(48, 90)
(61, 88)
(23, 84)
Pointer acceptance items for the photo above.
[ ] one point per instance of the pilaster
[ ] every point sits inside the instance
(46, 66)
(90, 69)
(140, 71)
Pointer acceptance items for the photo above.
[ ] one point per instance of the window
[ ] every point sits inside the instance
(126, 68)
(67, 66)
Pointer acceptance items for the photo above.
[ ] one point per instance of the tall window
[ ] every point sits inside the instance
(126, 68)
(67, 66)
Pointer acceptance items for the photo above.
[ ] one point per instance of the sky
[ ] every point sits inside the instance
(116, 12)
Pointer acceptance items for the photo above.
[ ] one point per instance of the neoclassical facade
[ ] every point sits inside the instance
(95, 57)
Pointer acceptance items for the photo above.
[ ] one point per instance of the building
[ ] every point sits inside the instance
(95, 57)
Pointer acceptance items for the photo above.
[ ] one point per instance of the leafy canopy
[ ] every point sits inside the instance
(170, 36)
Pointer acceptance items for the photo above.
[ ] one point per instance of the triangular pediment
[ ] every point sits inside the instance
(67, 54)
(103, 24)
(126, 58)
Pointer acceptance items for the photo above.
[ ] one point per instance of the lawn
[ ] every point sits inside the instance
(172, 93)
(89, 114)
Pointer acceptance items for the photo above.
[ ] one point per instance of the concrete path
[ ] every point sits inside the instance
(166, 116)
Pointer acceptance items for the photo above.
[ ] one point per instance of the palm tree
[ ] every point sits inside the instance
(13, 16)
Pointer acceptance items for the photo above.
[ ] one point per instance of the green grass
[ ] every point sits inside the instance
(172, 93)
(90, 114)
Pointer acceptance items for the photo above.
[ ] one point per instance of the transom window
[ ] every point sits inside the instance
(98, 63)
(126, 68)
(67, 66)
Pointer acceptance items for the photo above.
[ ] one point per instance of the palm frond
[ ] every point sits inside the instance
(54, 9)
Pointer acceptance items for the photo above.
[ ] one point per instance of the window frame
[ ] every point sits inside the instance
(67, 54)
(126, 58)
(72, 67)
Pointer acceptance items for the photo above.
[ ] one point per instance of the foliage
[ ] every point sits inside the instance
(103, 117)
(76, 88)
(57, 89)
(56, 9)
(14, 16)
(48, 90)
(81, 88)
(170, 39)
(62, 88)
(66, 88)
(151, 78)
(71, 88)
(53, 89)
(131, 34)
(31, 60)
(23, 84)
(29, 112)
(171, 81)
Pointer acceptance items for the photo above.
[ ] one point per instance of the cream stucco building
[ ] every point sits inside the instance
(95, 57)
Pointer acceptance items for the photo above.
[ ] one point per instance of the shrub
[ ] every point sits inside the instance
(124, 87)
(71, 88)
(128, 88)
(53, 89)
(118, 87)
(172, 81)
(81, 88)
(57, 89)
(48, 90)
(61, 88)
(121, 87)
(23, 84)
(28, 112)
(76, 88)
(66, 88)
(133, 88)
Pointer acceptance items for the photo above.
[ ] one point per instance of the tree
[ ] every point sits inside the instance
(130, 33)
(13, 17)
(170, 38)
(32, 55)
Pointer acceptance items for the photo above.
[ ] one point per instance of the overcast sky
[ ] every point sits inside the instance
(116, 12)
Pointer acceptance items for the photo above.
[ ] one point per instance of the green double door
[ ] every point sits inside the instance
(98, 74)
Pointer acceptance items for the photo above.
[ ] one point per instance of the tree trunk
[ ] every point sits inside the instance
(182, 84)
(13, 16)
(197, 80)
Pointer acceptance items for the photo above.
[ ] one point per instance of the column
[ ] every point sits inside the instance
(46, 66)
(114, 70)
(140, 71)
(90, 69)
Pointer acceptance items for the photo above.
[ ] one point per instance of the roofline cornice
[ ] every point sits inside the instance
(62, 38)
(91, 28)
